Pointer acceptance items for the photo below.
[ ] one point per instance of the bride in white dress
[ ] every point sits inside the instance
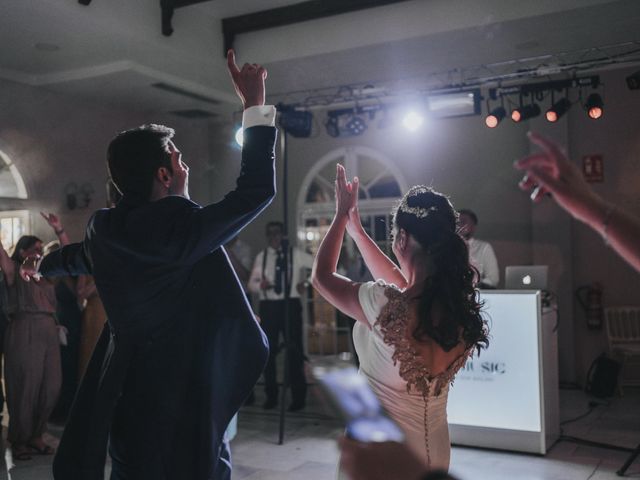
(419, 322)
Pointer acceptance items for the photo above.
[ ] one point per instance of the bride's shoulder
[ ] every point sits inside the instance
(383, 285)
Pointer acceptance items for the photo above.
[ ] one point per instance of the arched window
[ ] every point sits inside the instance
(13, 223)
(381, 185)
(11, 183)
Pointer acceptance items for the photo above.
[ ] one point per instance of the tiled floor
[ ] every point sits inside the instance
(309, 451)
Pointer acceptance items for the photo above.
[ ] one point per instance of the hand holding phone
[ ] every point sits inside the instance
(350, 393)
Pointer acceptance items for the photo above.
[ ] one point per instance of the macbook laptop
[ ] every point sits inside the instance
(526, 277)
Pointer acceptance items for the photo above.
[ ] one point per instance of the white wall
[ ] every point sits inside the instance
(54, 140)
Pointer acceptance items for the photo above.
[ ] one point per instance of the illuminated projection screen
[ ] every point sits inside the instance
(501, 387)
(507, 397)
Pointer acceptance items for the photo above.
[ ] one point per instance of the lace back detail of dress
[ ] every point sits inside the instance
(393, 325)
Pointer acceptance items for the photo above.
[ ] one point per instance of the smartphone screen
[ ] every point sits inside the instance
(365, 418)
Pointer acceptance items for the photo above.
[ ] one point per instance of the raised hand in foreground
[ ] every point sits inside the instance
(550, 171)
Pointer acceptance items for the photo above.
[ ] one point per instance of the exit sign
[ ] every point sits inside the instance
(593, 168)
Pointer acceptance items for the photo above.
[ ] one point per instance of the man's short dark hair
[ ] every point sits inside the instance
(278, 225)
(466, 211)
(134, 156)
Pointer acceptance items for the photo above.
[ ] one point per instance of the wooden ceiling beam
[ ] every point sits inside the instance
(299, 12)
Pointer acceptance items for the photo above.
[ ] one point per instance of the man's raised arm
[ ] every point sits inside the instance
(205, 229)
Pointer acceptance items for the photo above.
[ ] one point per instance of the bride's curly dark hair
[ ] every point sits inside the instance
(431, 219)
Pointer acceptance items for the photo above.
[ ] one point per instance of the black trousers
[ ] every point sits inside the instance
(272, 318)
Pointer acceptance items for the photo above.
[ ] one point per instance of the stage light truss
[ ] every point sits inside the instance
(511, 82)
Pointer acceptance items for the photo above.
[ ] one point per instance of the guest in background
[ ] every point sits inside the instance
(481, 253)
(32, 349)
(267, 280)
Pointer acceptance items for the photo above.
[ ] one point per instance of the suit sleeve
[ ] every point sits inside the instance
(69, 260)
(72, 259)
(204, 229)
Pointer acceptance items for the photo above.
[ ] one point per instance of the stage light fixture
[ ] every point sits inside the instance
(558, 109)
(412, 121)
(633, 81)
(333, 129)
(525, 112)
(594, 106)
(355, 126)
(239, 136)
(296, 123)
(495, 117)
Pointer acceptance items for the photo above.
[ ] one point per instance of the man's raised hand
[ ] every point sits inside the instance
(248, 81)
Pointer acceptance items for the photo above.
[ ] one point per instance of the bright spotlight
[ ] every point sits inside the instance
(525, 113)
(239, 136)
(594, 106)
(412, 121)
(558, 109)
(495, 117)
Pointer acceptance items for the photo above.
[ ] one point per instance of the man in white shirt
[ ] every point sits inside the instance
(267, 281)
(481, 253)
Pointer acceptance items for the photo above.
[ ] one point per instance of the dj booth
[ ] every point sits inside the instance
(507, 398)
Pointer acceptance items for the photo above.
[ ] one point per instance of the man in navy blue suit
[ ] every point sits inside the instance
(182, 349)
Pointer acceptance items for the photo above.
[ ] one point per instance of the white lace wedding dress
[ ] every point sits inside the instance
(414, 398)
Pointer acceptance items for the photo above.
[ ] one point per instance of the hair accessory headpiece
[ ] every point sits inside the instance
(419, 212)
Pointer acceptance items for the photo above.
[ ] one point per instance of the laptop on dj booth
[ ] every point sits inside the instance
(526, 277)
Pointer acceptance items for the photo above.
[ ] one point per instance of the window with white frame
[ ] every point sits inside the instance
(13, 223)
(11, 182)
(381, 185)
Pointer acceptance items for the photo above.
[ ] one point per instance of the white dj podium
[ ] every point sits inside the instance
(507, 398)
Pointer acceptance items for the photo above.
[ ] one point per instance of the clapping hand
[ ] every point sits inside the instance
(29, 268)
(248, 81)
(346, 192)
(550, 171)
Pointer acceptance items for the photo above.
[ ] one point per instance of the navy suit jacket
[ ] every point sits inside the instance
(182, 349)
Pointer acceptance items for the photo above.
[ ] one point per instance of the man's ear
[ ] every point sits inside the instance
(164, 175)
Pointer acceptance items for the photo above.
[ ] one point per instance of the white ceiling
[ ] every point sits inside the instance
(113, 50)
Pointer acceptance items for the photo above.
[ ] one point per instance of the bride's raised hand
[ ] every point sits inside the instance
(344, 192)
(354, 225)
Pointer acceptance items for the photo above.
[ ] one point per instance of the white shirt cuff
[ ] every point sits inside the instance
(264, 115)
